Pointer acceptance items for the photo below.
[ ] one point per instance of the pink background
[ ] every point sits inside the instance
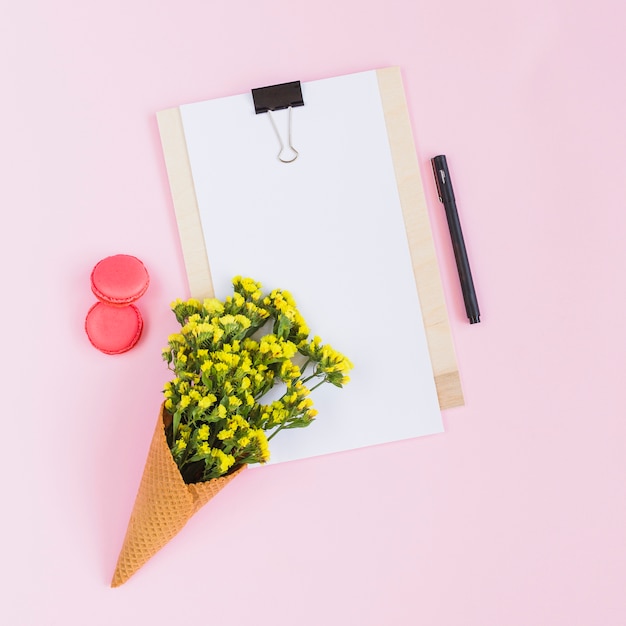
(517, 514)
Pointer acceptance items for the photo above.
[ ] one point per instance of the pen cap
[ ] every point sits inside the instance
(442, 179)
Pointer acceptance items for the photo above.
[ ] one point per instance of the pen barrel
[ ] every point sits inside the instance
(462, 263)
(446, 195)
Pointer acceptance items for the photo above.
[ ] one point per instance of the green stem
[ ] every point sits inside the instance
(276, 431)
(318, 384)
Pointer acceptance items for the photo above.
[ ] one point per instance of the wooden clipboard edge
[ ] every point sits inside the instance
(185, 203)
(419, 234)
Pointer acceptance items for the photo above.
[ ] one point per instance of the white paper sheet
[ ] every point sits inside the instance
(329, 228)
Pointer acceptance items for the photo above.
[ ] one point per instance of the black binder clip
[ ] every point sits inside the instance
(274, 98)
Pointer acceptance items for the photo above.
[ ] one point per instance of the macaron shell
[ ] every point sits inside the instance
(119, 279)
(113, 329)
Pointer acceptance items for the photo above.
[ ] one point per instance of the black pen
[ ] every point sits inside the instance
(446, 195)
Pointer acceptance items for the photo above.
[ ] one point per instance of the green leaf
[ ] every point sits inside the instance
(282, 327)
(175, 424)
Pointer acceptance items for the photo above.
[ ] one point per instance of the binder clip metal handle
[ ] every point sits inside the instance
(274, 98)
(280, 141)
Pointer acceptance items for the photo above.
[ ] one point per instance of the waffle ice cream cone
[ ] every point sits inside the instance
(164, 504)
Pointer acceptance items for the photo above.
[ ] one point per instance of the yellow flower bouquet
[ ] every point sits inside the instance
(226, 359)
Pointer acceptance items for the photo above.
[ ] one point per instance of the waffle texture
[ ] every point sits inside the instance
(164, 504)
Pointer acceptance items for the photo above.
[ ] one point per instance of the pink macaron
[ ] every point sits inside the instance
(119, 280)
(113, 329)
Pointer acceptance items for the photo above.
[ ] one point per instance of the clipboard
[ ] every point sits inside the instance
(414, 212)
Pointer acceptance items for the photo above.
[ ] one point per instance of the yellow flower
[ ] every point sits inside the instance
(225, 434)
(232, 360)
(264, 448)
(204, 449)
(184, 432)
(247, 284)
(227, 319)
(237, 422)
(179, 446)
(234, 402)
(224, 461)
(289, 349)
(207, 401)
(184, 402)
(289, 371)
(213, 305)
(202, 329)
(203, 432)
(255, 311)
(243, 321)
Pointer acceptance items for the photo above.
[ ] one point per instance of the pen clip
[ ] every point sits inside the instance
(438, 173)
